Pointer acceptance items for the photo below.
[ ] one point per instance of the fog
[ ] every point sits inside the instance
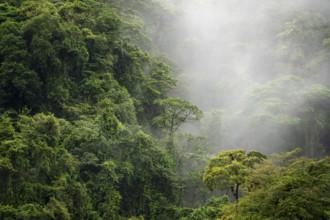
(229, 49)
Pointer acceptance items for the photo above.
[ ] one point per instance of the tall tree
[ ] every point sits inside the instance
(230, 170)
(176, 112)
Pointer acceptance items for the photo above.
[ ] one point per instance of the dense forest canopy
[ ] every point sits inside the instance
(152, 109)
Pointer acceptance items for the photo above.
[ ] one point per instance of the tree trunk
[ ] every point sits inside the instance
(234, 190)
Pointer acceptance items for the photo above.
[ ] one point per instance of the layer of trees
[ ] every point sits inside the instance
(82, 91)
(284, 186)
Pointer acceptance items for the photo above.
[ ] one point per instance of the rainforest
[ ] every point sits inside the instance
(164, 109)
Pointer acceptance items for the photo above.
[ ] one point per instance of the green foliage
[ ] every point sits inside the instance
(81, 84)
(212, 209)
(295, 191)
(230, 169)
(159, 82)
(176, 112)
(18, 81)
(35, 168)
(7, 12)
(151, 184)
(77, 88)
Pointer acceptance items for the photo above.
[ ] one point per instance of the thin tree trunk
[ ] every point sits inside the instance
(234, 190)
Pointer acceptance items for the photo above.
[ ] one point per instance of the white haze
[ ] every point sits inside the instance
(226, 49)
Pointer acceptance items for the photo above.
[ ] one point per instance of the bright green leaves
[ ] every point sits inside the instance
(42, 178)
(31, 8)
(43, 127)
(7, 12)
(296, 190)
(53, 210)
(7, 130)
(230, 169)
(35, 170)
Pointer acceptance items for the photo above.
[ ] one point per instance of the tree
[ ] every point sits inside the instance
(285, 187)
(176, 112)
(230, 170)
(158, 83)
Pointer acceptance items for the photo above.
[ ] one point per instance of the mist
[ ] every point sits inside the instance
(232, 51)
